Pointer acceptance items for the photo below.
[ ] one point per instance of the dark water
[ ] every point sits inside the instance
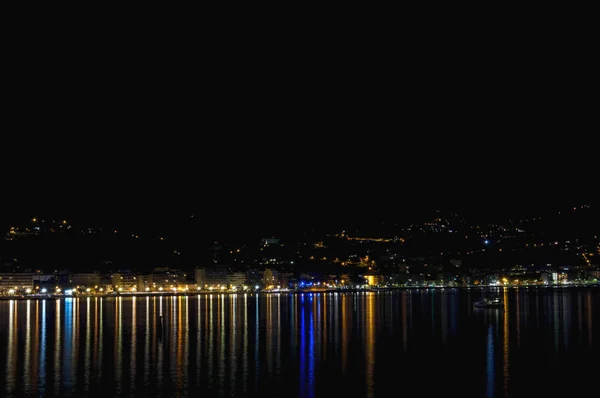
(411, 343)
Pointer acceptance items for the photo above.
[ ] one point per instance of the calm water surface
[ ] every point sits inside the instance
(412, 343)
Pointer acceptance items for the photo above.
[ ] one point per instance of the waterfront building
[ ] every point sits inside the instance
(124, 282)
(88, 280)
(237, 280)
(270, 276)
(210, 278)
(16, 282)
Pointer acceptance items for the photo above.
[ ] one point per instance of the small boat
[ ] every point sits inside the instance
(489, 302)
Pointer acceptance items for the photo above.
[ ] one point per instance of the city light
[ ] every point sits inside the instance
(378, 268)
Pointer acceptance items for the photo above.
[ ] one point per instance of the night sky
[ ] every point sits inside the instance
(252, 186)
(276, 151)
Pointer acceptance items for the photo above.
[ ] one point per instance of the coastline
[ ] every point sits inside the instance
(375, 290)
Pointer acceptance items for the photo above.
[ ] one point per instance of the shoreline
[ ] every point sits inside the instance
(376, 290)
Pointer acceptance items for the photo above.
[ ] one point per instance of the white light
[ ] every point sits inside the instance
(69, 292)
(44, 290)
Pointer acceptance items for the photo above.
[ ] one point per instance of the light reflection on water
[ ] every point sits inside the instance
(307, 345)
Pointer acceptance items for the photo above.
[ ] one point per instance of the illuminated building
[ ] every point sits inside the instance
(86, 279)
(16, 281)
(372, 280)
(211, 277)
(237, 279)
(269, 241)
(124, 282)
(270, 276)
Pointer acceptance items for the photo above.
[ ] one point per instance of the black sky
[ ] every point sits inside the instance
(319, 140)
